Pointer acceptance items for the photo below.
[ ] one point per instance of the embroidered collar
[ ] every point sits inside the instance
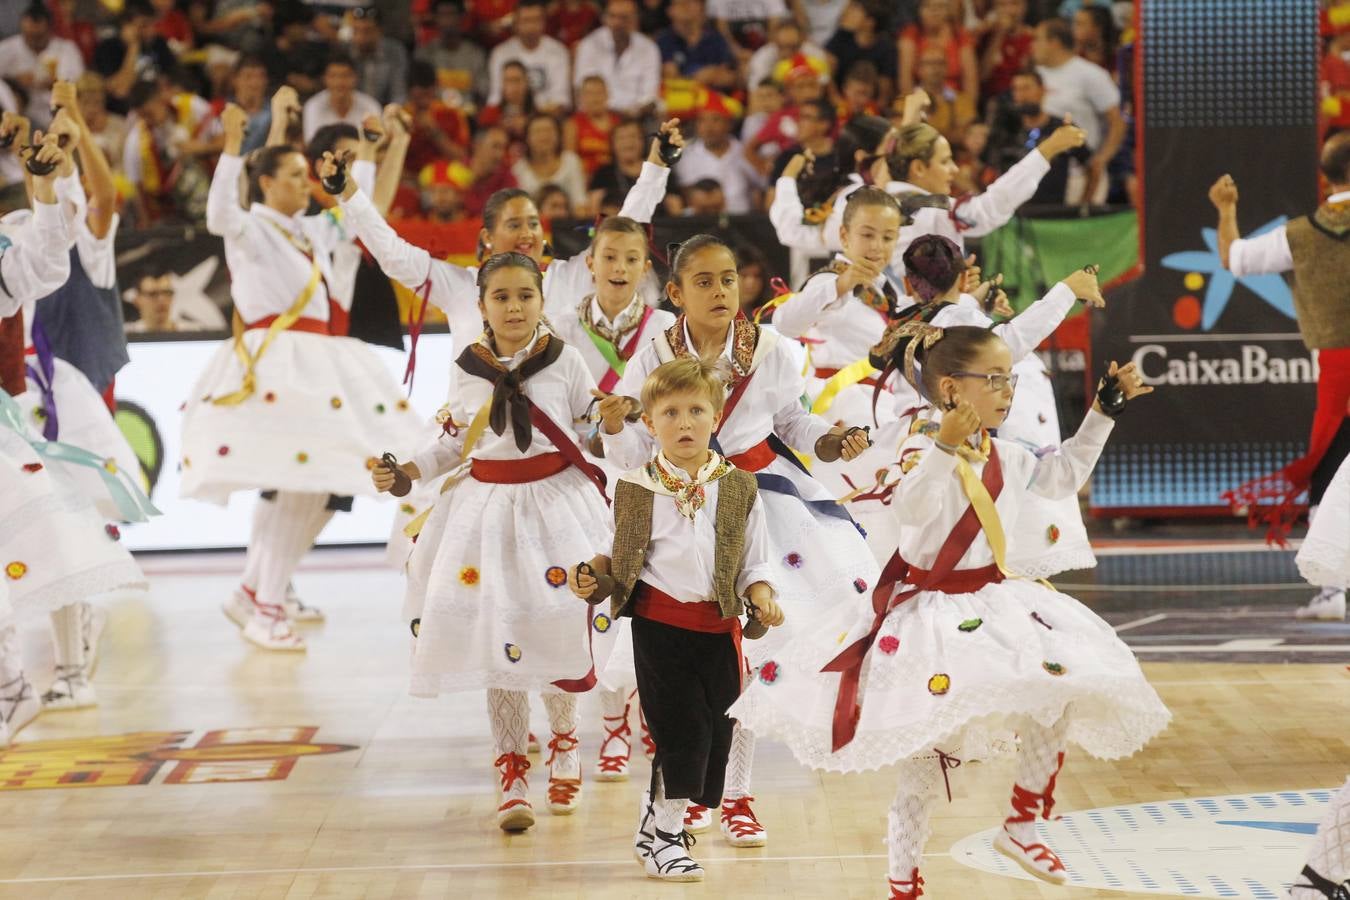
(593, 317)
(742, 338)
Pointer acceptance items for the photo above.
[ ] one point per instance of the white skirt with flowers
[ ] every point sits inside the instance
(1324, 558)
(324, 409)
(488, 580)
(957, 672)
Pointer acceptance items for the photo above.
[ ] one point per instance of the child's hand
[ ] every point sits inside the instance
(614, 410)
(958, 424)
(854, 444)
(798, 164)
(582, 584)
(1129, 383)
(916, 104)
(1066, 137)
(670, 129)
(859, 273)
(383, 477)
(1083, 283)
(970, 278)
(1224, 193)
(768, 612)
(330, 165)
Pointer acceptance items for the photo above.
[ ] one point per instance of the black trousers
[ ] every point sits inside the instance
(686, 682)
(1330, 462)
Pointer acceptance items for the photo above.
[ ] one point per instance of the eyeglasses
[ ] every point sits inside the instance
(993, 381)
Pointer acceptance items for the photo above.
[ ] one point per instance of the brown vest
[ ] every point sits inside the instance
(736, 493)
(1321, 250)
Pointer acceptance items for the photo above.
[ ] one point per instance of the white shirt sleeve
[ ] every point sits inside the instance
(786, 212)
(1260, 255)
(1026, 330)
(996, 206)
(453, 288)
(921, 492)
(632, 446)
(440, 456)
(1064, 470)
(38, 263)
(796, 316)
(797, 427)
(224, 216)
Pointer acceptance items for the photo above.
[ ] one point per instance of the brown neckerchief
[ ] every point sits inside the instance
(508, 395)
(11, 354)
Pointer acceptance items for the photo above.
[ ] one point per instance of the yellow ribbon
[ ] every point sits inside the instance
(985, 510)
(771, 304)
(279, 324)
(476, 428)
(846, 377)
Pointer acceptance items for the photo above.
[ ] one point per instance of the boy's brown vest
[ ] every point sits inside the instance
(1320, 246)
(736, 493)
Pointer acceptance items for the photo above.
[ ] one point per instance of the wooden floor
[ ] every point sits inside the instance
(396, 798)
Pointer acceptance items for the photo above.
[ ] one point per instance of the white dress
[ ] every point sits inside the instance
(959, 670)
(488, 574)
(823, 561)
(1324, 558)
(324, 407)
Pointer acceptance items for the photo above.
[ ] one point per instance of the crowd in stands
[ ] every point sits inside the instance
(559, 97)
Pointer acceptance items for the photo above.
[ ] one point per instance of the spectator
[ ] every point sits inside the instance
(862, 91)
(248, 90)
(753, 272)
(718, 155)
(747, 24)
(339, 101)
(296, 57)
(815, 133)
(1094, 36)
(949, 111)
(936, 28)
(545, 161)
(692, 48)
(1075, 87)
(705, 198)
(803, 80)
(173, 25)
(219, 68)
(153, 299)
(865, 33)
(109, 129)
(439, 132)
(629, 61)
(553, 204)
(77, 29)
(587, 132)
(652, 17)
(158, 159)
(973, 173)
(489, 21)
(545, 60)
(132, 55)
(517, 103)
(788, 40)
(460, 65)
(381, 61)
(1034, 124)
(490, 170)
(443, 186)
(765, 102)
(572, 20)
(35, 58)
(611, 183)
(240, 24)
(1007, 48)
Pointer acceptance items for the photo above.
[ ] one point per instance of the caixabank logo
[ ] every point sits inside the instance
(1245, 846)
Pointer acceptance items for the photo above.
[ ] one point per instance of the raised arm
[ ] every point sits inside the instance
(804, 308)
(224, 216)
(102, 189)
(1264, 254)
(786, 212)
(1062, 471)
(38, 262)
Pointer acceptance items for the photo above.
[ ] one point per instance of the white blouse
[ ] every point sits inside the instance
(34, 256)
(839, 330)
(569, 328)
(929, 500)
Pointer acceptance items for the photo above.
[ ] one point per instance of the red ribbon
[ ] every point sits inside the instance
(415, 330)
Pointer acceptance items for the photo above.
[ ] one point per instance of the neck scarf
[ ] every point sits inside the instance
(508, 395)
(745, 337)
(663, 477)
(624, 322)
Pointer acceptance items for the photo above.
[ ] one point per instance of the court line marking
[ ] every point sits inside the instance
(439, 867)
(1173, 588)
(1181, 548)
(1219, 648)
(1147, 620)
(1214, 338)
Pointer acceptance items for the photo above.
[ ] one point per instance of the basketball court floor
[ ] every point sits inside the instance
(213, 770)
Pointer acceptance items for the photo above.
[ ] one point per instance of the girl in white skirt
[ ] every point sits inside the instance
(822, 555)
(949, 655)
(285, 406)
(488, 575)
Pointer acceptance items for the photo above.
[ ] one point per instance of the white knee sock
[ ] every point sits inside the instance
(68, 639)
(668, 814)
(291, 531)
(565, 760)
(1038, 765)
(262, 512)
(739, 763)
(1329, 860)
(907, 819)
(509, 715)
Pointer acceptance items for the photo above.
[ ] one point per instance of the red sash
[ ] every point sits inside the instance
(517, 471)
(754, 459)
(611, 378)
(12, 379)
(706, 617)
(942, 577)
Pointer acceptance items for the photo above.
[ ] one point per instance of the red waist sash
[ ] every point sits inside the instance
(655, 604)
(754, 459)
(518, 471)
(958, 581)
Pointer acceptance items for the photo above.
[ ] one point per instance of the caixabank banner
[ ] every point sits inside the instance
(1222, 86)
